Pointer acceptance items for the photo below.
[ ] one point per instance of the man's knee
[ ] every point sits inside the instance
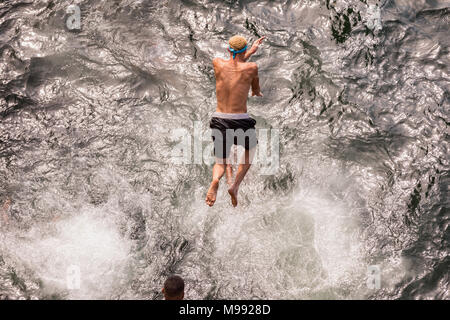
(222, 161)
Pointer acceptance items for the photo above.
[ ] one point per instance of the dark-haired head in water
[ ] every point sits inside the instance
(173, 288)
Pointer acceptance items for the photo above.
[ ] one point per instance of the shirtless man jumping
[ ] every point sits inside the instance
(230, 123)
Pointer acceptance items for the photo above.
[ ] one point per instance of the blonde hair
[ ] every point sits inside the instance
(237, 42)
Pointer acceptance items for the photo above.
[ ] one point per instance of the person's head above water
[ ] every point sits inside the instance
(237, 44)
(173, 288)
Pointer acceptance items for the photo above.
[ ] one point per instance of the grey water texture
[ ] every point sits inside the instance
(358, 91)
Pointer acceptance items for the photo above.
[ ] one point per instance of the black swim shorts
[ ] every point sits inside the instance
(229, 129)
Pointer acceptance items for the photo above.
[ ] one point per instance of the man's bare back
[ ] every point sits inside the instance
(233, 81)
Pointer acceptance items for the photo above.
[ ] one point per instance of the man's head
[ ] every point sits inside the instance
(238, 45)
(173, 288)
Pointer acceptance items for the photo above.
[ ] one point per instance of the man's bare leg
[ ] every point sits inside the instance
(229, 168)
(229, 174)
(243, 168)
(218, 171)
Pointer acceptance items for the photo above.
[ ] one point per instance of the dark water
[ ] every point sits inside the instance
(359, 91)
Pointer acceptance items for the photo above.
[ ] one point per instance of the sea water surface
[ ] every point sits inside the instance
(93, 207)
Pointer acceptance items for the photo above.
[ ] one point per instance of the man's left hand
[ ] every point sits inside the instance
(256, 44)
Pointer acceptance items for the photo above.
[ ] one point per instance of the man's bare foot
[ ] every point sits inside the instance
(233, 191)
(212, 192)
(6, 204)
(229, 175)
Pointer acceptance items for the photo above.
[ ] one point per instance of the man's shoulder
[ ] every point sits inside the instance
(217, 60)
(252, 67)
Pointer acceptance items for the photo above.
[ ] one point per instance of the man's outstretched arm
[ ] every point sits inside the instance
(256, 90)
(253, 49)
